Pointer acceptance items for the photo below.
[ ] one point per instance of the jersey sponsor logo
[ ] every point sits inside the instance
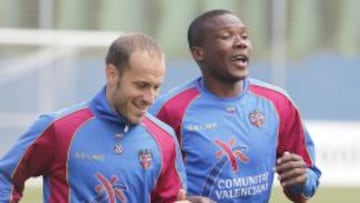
(257, 118)
(201, 127)
(109, 190)
(228, 152)
(247, 186)
(231, 154)
(145, 157)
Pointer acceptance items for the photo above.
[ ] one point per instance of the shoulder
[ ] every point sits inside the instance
(267, 90)
(162, 133)
(75, 112)
(78, 113)
(57, 123)
(158, 129)
(274, 94)
(176, 96)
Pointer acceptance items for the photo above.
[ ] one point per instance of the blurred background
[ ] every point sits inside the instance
(52, 55)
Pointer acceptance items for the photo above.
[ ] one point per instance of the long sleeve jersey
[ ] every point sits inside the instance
(87, 153)
(230, 145)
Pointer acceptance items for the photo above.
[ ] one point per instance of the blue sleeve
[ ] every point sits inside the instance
(311, 185)
(307, 190)
(312, 182)
(11, 189)
(313, 173)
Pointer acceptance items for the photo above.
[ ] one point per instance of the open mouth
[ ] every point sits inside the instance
(240, 58)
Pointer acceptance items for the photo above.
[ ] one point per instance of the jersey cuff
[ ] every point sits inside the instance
(308, 190)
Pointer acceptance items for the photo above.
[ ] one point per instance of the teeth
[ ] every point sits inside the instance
(240, 57)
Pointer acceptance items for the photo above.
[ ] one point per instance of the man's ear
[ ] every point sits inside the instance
(197, 53)
(111, 73)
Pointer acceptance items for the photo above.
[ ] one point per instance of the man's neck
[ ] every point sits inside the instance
(223, 89)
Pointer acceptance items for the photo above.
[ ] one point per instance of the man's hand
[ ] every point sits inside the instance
(291, 169)
(191, 199)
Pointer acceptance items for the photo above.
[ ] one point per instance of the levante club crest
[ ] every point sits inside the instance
(145, 158)
(257, 118)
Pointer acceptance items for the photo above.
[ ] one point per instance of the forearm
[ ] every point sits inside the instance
(300, 193)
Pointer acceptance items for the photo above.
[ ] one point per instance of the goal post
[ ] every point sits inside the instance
(40, 71)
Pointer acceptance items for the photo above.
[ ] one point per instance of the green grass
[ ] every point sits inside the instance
(324, 194)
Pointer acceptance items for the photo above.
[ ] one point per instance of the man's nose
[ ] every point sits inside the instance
(240, 42)
(149, 97)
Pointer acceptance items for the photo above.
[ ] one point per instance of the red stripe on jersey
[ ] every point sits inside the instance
(291, 132)
(169, 176)
(48, 155)
(174, 116)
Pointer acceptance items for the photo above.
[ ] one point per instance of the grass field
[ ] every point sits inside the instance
(324, 195)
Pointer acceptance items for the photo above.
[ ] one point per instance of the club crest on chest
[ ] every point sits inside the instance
(257, 118)
(145, 158)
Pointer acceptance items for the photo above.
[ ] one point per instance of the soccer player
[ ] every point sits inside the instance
(235, 131)
(108, 149)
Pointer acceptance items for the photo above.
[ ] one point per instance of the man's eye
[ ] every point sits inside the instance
(141, 85)
(157, 87)
(225, 36)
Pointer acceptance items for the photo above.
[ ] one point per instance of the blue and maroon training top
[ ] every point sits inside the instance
(87, 153)
(230, 145)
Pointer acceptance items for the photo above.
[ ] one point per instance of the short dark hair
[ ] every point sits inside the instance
(121, 49)
(196, 26)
